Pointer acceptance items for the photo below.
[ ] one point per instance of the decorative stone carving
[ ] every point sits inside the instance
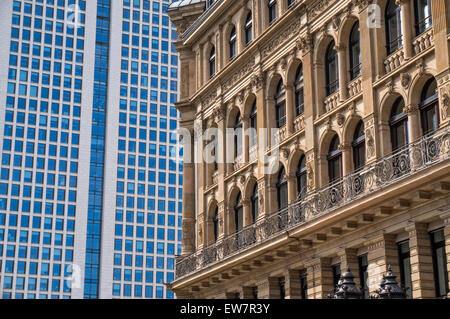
(305, 43)
(258, 80)
(444, 93)
(370, 142)
(389, 85)
(340, 119)
(336, 22)
(405, 79)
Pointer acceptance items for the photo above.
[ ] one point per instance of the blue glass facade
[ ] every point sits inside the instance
(148, 201)
(40, 149)
(96, 169)
(57, 108)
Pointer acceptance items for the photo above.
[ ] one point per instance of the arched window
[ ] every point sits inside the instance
(423, 17)
(332, 70)
(216, 224)
(282, 190)
(254, 201)
(212, 62)
(273, 8)
(253, 125)
(393, 26)
(249, 28)
(238, 214)
(232, 43)
(334, 160)
(301, 177)
(280, 104)
(355, 52)
(429, 107)
(359, 146)
(238, 135)
(299, 95)
(399, 125)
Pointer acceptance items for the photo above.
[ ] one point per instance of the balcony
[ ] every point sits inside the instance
(426, 152)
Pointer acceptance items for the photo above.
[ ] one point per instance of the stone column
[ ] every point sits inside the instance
(264, 16)
(188, 219)
(407, 13)
(292, 187)
(382, 252)
(320, 278)
(349, 259)
(247, 212)
(290, 113)
(269, 289)
(441, 25)
(271, 118)
(341, 50)
(347, 160)
(414, 126)
(256, 18)
(422, 276)
(292, 284)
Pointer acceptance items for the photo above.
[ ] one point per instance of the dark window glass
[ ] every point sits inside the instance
(439, 263)
(301, 178)
(405, 267)
(282, 285)
(280, 105)
(355, 52)
(299, 92)
(255, 292)
(238, 135)
(238, 214)
(212, 62)
(336, 275)
(248, 28)
(429, 107)
(254, 202)
(304, 284)
(282, 190)
(216, 224)
(393, 26)
(272, 4)
(399, 125)
(334, 160)
(359, 146)
(232, 43)
(423, 18)
(253, 125)
(364, 275)
(332, 69)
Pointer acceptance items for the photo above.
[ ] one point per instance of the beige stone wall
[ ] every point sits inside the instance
(301, 35)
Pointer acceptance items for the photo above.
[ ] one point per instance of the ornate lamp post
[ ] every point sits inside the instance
(389, 288)
(346, 288)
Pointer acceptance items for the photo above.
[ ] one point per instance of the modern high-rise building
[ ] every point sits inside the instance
(356, 96)
(90, 181)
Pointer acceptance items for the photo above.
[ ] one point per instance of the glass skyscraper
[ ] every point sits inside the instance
(90, 176)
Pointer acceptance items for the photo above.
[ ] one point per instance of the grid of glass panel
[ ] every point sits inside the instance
(149, 186)
(39, 155)
(96, 172)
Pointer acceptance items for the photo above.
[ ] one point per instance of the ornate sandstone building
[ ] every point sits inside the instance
(360, 93)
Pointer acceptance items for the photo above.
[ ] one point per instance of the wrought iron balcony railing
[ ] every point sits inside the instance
(413, 158)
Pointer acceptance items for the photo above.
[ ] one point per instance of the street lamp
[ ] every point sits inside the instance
(346, 288)
(389, 288)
